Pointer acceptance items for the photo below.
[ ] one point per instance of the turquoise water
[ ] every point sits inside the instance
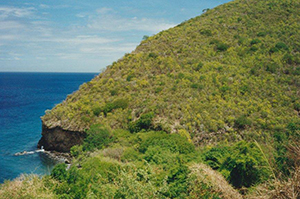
(24, 97)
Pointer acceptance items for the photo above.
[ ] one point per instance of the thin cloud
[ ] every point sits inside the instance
(45, 6)
(116, 23)
(6, 25)
(104, 10)
(81, 39)
(6, 12)
(109, 49)
(8, 37)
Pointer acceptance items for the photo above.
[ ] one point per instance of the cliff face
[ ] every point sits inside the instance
(58, 139)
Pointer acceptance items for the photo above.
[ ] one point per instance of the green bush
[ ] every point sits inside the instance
(143, 123)
(59, 172)
(129, 77)
(97, 138)
(271, 67)
(76, 150)
(241, 122)
(177, 181)
(288, 58)
(222, 47)
(281, 45)
(273, 50)
(297, 106)
(215, 156)
(261, 34)
(153, 55)
(130, 155)
(160, 156)
(199, 66)
(253, 49)
(246, 165)
(243, 164)
(172, 142)
(119, 103)
(97, 110)
(255, 41)
(206, 32)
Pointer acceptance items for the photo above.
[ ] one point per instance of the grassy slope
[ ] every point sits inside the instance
(216, 75)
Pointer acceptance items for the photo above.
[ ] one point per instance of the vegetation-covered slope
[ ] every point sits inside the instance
(228, 73)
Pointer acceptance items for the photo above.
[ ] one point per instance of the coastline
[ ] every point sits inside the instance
(60, 157)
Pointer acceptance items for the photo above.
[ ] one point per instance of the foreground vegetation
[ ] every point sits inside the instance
(208, 109)
(154, 164)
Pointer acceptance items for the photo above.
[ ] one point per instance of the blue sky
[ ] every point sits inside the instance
(83, 36)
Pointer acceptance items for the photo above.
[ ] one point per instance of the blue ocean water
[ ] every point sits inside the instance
(24, 97)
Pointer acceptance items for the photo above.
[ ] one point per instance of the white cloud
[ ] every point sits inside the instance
(4, 25)
(106, 19)
(104, 10)
(81, 39)
(44, 6)
(116, 23)
(109, 49)
(68, 56)
(8, 37)
(41, 58)
(6, 12)
(81, 15)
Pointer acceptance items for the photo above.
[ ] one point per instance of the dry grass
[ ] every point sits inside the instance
(283, 189)
(289, 189)
(215, 181)
(26, 186)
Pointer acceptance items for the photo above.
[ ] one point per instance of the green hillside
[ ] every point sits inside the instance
(228, 74)
(207, 109)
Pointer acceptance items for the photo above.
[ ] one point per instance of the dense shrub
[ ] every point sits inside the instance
(97, 110)
(242, 122)
(144, 122)
(222, 47)
(173, 142)
(245, 166)
(215, 156)
(261, 34)
(255, 41)
(281, 45)
(177, 180)
(130, 77)
(198, 66)
(119, 103)
(97, 138)
(242, 164)
(76, 150)
(59, 172)
(273, 50)
(206, 32)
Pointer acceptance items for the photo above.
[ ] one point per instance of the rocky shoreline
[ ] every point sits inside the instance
(60, 157)
(54, 155)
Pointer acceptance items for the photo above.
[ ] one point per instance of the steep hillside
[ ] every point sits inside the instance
(229, 74)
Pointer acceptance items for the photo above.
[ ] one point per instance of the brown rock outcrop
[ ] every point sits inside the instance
(58, 139)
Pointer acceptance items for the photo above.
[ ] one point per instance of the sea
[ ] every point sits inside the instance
(24, 97)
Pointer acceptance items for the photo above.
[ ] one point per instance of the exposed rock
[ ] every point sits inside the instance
(58, 139)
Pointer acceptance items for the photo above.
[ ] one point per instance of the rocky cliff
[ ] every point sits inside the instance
(58, 139)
